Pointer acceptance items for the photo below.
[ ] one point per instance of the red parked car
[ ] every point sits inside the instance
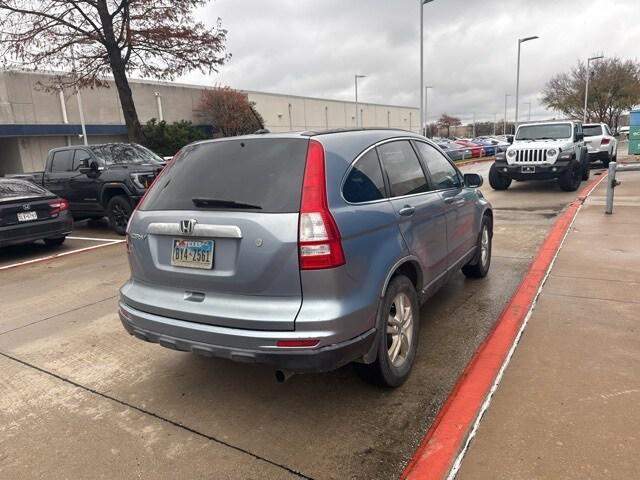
(477, 151)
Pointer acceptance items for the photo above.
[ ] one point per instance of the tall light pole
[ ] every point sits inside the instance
(520, 42)
(356, 77)
(495, 121)
(422, 4)
(504, 124)
(426, 109)
(586, 88)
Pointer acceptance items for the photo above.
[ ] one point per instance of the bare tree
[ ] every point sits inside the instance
(448, 121)
(90, 39)
(229, 112)
(614, 86)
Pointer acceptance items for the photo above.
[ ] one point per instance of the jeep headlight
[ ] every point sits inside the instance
(552, 152)
(511, 153)
(142, 180)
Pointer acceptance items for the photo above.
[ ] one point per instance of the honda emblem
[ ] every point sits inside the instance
(26, 206)
(187, 226)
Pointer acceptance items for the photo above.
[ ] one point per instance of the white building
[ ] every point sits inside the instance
(32, 121)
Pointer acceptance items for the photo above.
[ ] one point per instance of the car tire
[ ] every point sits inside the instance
(478, 267)
(586, 167)
(570, 179)
(119, 210)
(496, 180)
(396, 351)
(54, 242)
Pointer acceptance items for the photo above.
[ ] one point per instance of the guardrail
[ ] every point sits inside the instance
(612, 183)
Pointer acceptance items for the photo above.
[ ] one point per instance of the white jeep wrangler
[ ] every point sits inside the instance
(541, 151)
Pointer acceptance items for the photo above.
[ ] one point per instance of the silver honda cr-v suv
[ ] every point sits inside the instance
(305, 251)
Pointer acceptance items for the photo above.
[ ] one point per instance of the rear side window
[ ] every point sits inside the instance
(406, 176)
(443, 175)
(592, 130)
(62, 161)
(262, 175)
(365, 183)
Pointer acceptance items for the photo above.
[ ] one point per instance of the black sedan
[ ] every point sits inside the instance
(29, 213)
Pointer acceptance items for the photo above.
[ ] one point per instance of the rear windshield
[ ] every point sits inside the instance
(262, 175)
(20, 189)
(553, 131)
(592, 130)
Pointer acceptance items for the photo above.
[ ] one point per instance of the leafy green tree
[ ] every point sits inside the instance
(614, 86)
(166, 139)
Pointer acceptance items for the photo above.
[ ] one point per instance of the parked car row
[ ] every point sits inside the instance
(466, 148)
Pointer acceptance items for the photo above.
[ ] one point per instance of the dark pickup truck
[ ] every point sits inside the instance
(99, 180)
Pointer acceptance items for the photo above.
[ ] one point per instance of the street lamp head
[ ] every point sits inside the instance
(424, 2)
(526, 39)
(595, 58)
(360, 76)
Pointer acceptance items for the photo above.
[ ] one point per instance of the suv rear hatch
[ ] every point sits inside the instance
(215, 241)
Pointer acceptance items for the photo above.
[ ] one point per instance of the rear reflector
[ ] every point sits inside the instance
(297, 343)
(319, 239)
(605, 141)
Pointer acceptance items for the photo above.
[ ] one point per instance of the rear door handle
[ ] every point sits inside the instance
(407, 211)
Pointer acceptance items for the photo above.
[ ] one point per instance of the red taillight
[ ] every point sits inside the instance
(605, 141)
(58, 206)
(319, 239)
(297, 343)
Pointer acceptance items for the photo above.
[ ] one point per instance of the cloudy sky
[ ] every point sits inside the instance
(313, 48)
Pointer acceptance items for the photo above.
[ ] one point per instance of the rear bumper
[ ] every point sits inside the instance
(598, 156)
(247, 346)
(543, 171)
(38, 230)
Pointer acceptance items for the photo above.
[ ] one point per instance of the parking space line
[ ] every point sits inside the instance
(58, 255)
(444, 445)
(94, 239)
(151, 414)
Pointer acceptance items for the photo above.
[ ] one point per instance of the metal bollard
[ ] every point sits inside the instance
(611, 183)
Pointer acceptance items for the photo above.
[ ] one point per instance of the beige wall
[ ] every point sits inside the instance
(23, 100)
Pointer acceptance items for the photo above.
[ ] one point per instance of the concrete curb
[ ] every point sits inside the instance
(446, 441)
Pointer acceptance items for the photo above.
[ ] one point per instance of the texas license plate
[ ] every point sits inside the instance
(528, 169)
(27, 216)
(192, 253)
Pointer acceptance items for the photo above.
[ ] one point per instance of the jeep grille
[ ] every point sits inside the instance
(531, 155)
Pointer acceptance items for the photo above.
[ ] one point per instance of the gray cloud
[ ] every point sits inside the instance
(314, 47)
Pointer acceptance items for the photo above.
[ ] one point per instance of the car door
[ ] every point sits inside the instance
(458, 202)
(419, 210)
(83, 187)
(60, 169)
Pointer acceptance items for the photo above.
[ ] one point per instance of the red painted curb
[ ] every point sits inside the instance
(434, 457)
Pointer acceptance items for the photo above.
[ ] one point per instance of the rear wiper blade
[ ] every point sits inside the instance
(220, 203)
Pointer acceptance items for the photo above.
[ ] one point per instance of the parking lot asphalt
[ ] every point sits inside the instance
(81, 398)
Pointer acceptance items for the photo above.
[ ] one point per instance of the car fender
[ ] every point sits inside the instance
(110, 186)
(407, 259)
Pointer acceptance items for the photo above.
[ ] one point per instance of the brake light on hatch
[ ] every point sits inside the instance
(319, 240)
(58, 206)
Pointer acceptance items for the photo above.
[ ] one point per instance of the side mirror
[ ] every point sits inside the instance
(93, 170)
(473, 180)
(510, 140)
